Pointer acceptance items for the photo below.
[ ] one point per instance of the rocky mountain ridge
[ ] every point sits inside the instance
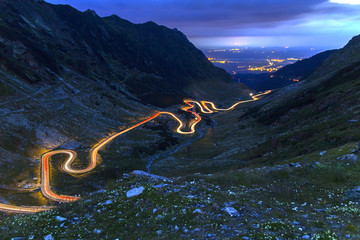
(40, 41)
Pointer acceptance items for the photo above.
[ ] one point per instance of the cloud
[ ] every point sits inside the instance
(351, 2)
(217, 13)
(234, 18)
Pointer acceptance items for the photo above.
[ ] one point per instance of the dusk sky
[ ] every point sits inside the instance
(216, 23)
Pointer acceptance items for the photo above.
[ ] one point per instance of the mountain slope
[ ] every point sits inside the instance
(295, 72)
(153, 63)
(344, 57)
(302, 69)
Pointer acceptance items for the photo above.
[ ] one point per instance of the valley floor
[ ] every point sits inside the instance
(306, 198)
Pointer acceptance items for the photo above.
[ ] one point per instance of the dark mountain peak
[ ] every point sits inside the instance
(344, 57)
(151, 23)
(355, 41)
(151, 62)
(114, 17)
(92, 12)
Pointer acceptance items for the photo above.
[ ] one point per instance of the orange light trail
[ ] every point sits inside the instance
(204, 106)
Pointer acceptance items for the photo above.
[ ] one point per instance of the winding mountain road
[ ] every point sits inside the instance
(205, 107)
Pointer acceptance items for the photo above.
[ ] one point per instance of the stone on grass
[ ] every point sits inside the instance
(356, 150)
(107, 202)
(60, 219)
(306, 236)
(197, 211)
(294, 165)
(322, 153)
(49, 237)
(159, 185)
(232, 211)
(353, 194)
(135, 191)
(348, 157)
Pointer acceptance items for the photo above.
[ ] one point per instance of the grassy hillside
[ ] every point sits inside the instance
(284, 167)
(277, 168)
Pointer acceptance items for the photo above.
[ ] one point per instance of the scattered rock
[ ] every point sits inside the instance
(49, 237)
(198, 211)
(60, 219)
(50, 137)
(356, 150)
(135, 191)
(294, 165)
(348, 157)
(107, 202)
(98, 231)
(160, 185)
(322, 153)
(232, 211)
(306, 236)
(145, 174)
(354, 194)
(159, 232)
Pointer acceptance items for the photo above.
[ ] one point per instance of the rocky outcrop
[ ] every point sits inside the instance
(40, 41)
